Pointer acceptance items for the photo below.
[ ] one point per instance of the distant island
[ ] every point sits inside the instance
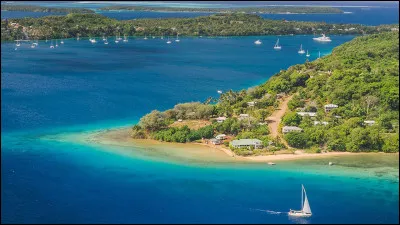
(33, 8)
(261, 10)
(229, 24)
(345, 102)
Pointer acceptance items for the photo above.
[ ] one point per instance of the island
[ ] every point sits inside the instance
(34, 8)
(260, 10)
(347, 101)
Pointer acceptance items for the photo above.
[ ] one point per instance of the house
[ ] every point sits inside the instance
(246, 143)
(220, 136)
(251, 103)
(329, 107)
(288, 129)
(369, 122)
(310, 114)
(318, 122)
(221, 119)
(243, 116)
(280, 95)
(215, 141)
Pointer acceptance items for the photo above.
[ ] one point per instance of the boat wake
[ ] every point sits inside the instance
(270, 211)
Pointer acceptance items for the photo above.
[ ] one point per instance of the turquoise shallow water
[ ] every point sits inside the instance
(80, 87)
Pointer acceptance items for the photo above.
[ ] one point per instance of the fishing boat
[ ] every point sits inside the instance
(301, 51)
(277, 47)
(305, 206)
(177, 38)
(258, 42)
(323, 38)
(308, 55)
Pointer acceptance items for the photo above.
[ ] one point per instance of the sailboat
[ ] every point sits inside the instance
(106, 42)
(18, 44)
(104, 38)
(77, 37)
(319, 55)
(125, 39)
(145, 37)
(62, 41)
(177, 38)
(162, 37)
(33, 45)
(56, 44)
(119, 37)
(52, 46)
(305, 206)
(168, 42)
(277, 47)
(258, 42)
(308, 55)
(301, 51)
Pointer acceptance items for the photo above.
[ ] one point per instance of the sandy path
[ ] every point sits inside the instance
(275, 119)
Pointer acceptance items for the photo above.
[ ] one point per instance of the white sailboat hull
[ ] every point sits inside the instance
(277, 47)
(299, 213)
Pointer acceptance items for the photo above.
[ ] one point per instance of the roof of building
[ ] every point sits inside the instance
(241, 115)
(369, 121)
(246, 142)
(221, 118)
(291, 128)
(331, 106)
(221, 135)
(307, 113)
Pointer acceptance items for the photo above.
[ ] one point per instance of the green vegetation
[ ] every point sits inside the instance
(33, 8)
(361, 77)
(269, 10)
(236, 24)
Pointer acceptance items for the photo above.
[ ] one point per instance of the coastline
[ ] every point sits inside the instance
(120, 137)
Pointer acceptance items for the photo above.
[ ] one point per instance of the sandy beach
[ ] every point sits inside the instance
(121, 137)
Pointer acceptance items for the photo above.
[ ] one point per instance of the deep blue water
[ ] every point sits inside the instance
(79, 86)
(367, 16)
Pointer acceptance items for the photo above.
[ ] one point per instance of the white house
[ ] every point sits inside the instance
(251, 103)
(220, 136)
(329, 107)
(215, 141)
(369, 122)
(221, 119)
(318, 122)
(247, 143)
(243, 116)
(310, 114)
(287, 129)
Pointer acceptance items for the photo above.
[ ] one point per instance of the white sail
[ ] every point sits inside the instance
(306, 206)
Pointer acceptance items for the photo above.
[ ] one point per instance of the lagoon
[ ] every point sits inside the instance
(79, 87)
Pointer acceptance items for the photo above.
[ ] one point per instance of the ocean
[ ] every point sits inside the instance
(372, 16)
(79, 87)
